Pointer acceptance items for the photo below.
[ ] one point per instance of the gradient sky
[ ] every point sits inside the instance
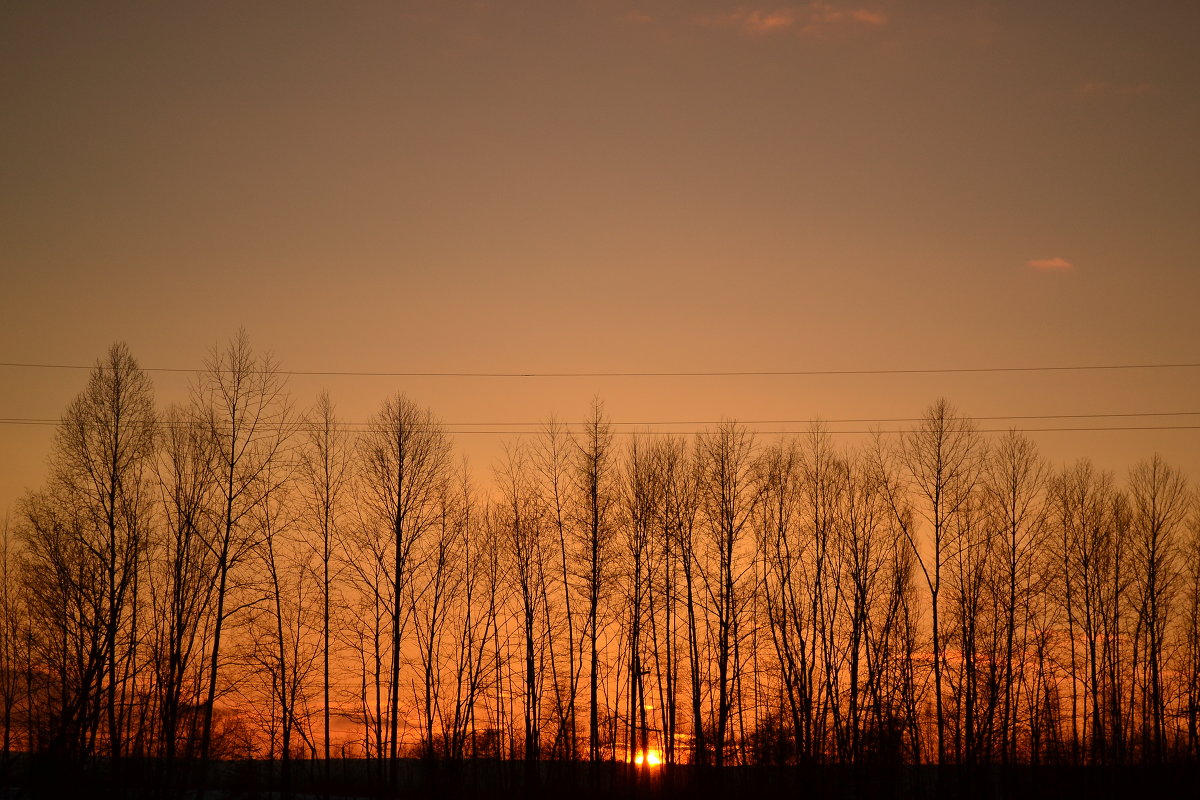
(611, 186)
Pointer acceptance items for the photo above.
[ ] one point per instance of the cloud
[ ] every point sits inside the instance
(868, 17)
(754, 21)
(1050, 264)
(801, 19)
(636, 17)
(767, 21)
(823, 15)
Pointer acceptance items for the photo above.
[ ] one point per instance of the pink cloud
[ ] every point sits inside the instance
(767, 21)
(822, 15)
(752, 21)
(636, 17)
(868, 17)
(803, 19)
(1055, 263)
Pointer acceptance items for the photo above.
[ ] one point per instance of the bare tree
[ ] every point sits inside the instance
(551, 456)
(779, 542)
(676, 526)
(325, 469)
(1092, 521)
(193, 583)
(869, 542)
(1015, 485)
(475, 552)
(281, 643)
(61, 582)
(642, 498)
(823, 479)
(85, 544)
(523, 520)
(1190, 619)
(972, 625)
(594, 474)
(11, 650)
(437, 579)
(183, 574)
(1159, 503)
(726, 489)
(366, 559)
(933, 472)
(246, 410)
(404, 458)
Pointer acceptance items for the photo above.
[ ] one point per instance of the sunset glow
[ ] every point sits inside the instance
(564, 398)
(651, 758)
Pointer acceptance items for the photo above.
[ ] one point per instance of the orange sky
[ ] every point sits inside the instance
(611, 186)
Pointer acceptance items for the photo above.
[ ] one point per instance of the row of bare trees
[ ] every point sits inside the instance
(234, 578)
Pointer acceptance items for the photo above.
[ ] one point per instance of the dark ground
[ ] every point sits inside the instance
(501, 780)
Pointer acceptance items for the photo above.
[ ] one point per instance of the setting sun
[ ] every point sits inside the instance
(651, 758)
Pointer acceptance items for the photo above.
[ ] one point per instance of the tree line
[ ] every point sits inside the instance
(233, 577)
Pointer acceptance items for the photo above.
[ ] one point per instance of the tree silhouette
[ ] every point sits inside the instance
(223, 579)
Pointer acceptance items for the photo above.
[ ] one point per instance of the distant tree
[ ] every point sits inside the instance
(182, 582)
(284, 630)
(642, 496)
(243, 402)
(523, 520)
(1015, 482)
(437, 579)
(594, 474)
(1092, 521)
(85, 539)
(366, 558)
(1190, 622)
(823, 478)
(930, 478)
(11, 650)
(471, 624)
(973, 628)
(403, 460)
(325, 478)
(869, 543)
(551, 455)
(726, 489)
(1159, 505)
(61, 583)
(183, 574)
(675, 528)
(782, 549)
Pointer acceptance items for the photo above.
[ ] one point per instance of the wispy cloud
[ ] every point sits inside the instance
(826, 14)
(778, 19)
(636, 17)
(801, 19)
(1050, 264)
(751, 20)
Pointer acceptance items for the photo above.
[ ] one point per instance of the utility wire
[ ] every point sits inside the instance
(518, 432)
(28, 420)
(816, 420)
(650, 374)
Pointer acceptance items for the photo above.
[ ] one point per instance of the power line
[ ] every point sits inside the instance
(814, 420)
(518, 432)
(651, 374)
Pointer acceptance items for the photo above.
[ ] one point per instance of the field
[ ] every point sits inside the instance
(607, 781)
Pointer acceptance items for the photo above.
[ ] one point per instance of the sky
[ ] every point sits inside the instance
(610, 186)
